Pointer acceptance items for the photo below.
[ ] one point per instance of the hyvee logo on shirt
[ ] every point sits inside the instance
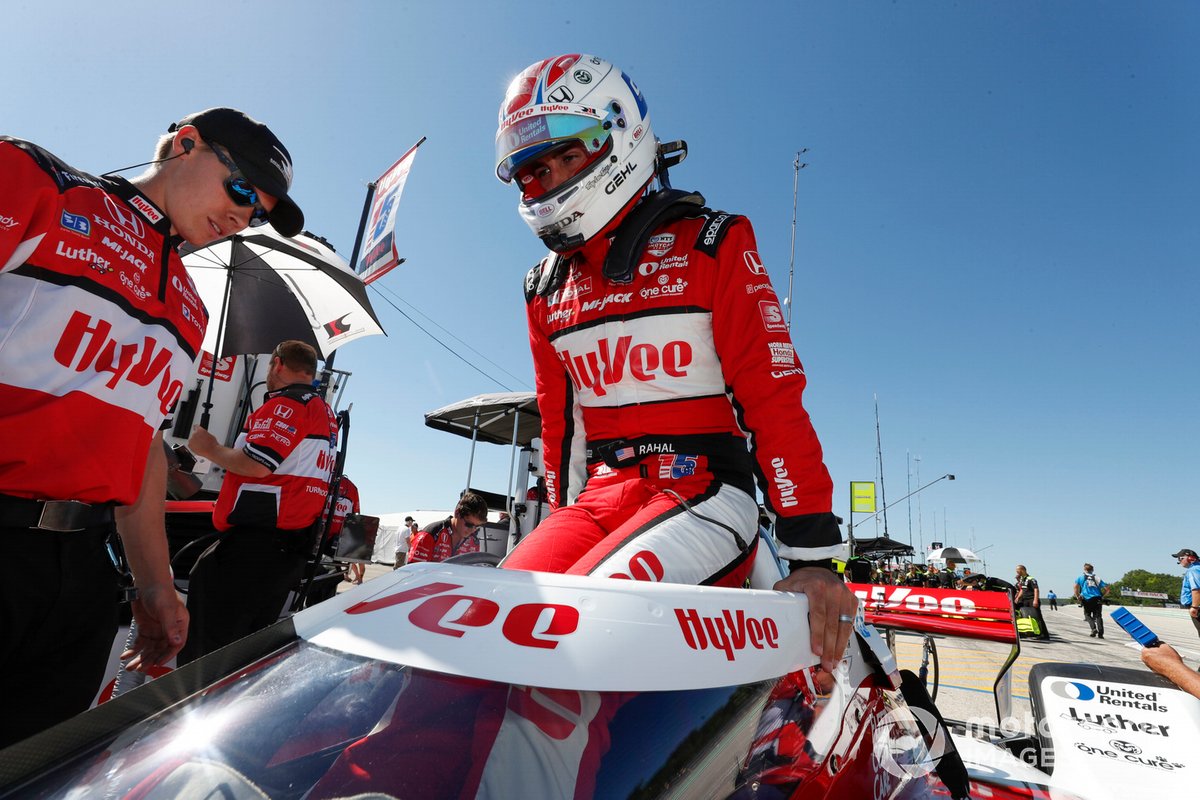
(607, 364)
(85, 344)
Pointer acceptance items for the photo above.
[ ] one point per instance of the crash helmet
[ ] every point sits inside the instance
(575, 99)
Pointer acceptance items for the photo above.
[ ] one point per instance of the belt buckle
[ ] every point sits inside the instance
(62, 516)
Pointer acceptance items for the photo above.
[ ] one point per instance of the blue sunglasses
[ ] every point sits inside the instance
(240, 190)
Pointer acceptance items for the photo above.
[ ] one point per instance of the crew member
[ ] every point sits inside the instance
(1189, 591)
(666, 377)
(1090, 591)
(275, 487)
(1028, 602)
(100, 326)
(452, 536)
(347, 503)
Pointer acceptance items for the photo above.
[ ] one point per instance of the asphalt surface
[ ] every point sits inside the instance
(968, 668)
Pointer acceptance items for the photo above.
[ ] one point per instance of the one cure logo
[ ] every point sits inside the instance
(728, 632)
(526, 625)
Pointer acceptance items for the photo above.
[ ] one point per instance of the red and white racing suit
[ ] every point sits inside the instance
(662, 399)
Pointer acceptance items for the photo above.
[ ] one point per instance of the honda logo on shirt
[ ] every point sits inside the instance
(606, 365)
(124, 217)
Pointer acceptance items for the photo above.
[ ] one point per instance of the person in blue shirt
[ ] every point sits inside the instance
(1091, 591)
(1189, 592)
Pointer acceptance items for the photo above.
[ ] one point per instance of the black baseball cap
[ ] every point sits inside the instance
(259, 155)
(1187, 551)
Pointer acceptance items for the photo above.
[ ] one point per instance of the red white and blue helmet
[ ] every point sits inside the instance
(568, 99)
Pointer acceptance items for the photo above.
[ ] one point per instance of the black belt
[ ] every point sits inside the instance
(717, 447)
(62, 516)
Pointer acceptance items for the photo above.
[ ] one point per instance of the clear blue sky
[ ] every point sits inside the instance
(997, 228)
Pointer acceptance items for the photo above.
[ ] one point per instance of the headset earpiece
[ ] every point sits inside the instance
(187, 145)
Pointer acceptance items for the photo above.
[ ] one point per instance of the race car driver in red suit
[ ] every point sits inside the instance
(666, 382)
(666, 378)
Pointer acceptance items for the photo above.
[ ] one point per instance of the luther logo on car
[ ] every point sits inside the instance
(338, 326)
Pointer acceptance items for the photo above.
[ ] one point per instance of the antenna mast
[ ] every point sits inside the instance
(797, 165)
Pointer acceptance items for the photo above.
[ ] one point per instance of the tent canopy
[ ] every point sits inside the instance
(881, 546)
(491, 415)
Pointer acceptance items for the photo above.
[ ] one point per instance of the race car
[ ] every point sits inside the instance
(456, 681)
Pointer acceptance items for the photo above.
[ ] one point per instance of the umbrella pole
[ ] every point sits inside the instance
(212, 374)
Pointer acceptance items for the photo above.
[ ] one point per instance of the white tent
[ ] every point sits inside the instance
(389, 528)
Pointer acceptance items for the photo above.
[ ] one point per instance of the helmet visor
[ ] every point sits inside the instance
(519, 140)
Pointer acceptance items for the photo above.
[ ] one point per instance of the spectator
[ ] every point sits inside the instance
(1053, 598)
(1027, 602)
(1090, 591)
(1165, 660)
(404, 538)
(275, 488)
(83, 455)
(453, 536)
(1189, 592)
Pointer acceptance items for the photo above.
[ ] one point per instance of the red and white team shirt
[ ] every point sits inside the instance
(99, 326)
(294, 434)
(678, 370)
(347, 503)
(433, 543)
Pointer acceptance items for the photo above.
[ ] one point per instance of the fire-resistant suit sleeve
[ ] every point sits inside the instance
(564, 453)
(767, 381)
(28, 202)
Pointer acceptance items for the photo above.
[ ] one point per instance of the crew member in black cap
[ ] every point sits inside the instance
(101, 326)
(1189, 592)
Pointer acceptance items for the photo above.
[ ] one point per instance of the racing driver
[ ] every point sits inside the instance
(666, 378)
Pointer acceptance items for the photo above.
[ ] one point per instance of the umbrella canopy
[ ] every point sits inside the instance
(492, 416)
(952, 554)
(279, 289)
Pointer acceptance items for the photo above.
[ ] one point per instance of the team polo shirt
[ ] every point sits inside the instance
(293, 433)
(99, 327)
(1090, 586)
(1191, 580)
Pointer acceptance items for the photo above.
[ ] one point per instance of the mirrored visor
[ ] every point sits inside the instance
(529, 137)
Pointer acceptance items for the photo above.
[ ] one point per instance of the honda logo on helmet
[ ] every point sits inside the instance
(562, 94)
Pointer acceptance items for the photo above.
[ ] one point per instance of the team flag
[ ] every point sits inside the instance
(379, 243)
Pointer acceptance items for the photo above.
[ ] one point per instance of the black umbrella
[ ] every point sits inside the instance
(278, 289)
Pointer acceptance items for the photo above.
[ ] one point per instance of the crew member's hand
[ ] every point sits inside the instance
(201, 442)
(1194, 611)
(828, 600)
(162, 626)
(1161, 658)
(1037, 603)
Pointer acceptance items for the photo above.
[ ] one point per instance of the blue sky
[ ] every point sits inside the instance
(997, 230)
